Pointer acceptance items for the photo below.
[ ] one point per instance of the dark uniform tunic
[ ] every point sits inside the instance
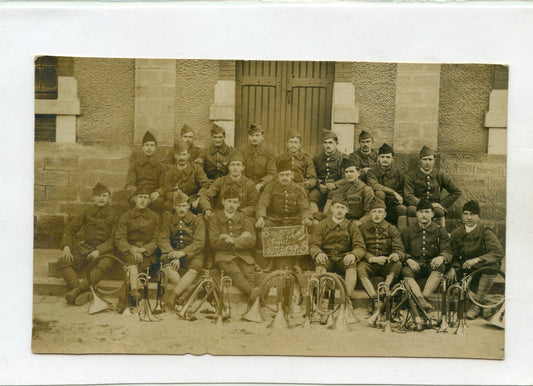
(385, 183)
(336, 241)
(215, 160)
(302, 166)
(190, 181)
(212, 197)
(145, 171)
(283, 205)
(138, 228)
(260, 163)
(358, 196)
(363, 160)
(185, 234)
(429, 186)
(328, 169)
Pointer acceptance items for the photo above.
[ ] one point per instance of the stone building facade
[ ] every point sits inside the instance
(104, 106)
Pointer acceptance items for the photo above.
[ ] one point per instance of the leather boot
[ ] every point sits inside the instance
(71, 278)
(134, 273)
(432, 283)
(473, 312)
(351, 281)
(185, 282)
(239, 280)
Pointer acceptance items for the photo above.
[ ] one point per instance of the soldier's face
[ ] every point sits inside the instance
(469, 219)
(285, 177)
(427, 163)
(351, 173)
(142, 201)
(377, 215)
(218, 139)
(365, 144)
(187, 137)
(102, 199)
(149, 148)
(424, 216)
(182, 209)
(385, 160)
(231, 204)
(256, 138)
(294, 145)
(182, 157)
(330, 145)
(339, 211)
(235, 168)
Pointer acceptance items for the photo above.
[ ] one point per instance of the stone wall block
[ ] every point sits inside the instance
(73, 209)
(92, 164)
(47, 231)
(497, 183)
(114, 181)
(471, 183)
(83, 179)
(493, 212)
(46, 177)
(39, 193)
(119, 164)
(464, 169)
(85, 195)
(61, 193)
(490, 170)
(38, 162)
(46, 207)
(61, 163)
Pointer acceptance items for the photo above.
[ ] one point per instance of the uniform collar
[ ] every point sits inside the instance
(187, 170)
(380, 172)
(431, 228)
(421, 174)
(229, 180)
(358, 184)
(95, 209)
(283, 187)
(373, 227)
(136, 212)
(330, 224)
(259, 149)
(224, 149)
(333, 156)
(143, 159)
(236, 217)
(189, 217)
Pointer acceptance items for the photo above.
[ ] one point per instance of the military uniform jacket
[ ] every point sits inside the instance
(481, 242)
(212, 197)
(425, 244)
(260, 163)
(358, 195)
(138, 228)
(194, 153)
(363, 160)
(98, 224)
(302, 166)
(190, 180)
(337, 240)
(146, 171)
(388, 181)
(185, 234)
(328, 166)
(215, 160)
(283, 202)
(381, 240)
(240, 228)
(429, 186)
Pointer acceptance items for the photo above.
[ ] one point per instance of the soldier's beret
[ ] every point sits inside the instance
(142, 190)
(426, 151)
(217, 129)
(283, 165)
(179, 197)
(255, 128)
(364, 135)
(180, 146)
(424, 204)
(385, 149)
(472, 206)
(235, 156)
(100, 189)
(348, 162)
(377, 203)
(294, 134)
(327, 134)
(230, 193)
(186, 129)
(148, 137)
(339, 199)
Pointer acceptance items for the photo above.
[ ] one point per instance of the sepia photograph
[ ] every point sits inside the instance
(269, 207)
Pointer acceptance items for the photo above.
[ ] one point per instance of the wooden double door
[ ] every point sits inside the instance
(283, 95)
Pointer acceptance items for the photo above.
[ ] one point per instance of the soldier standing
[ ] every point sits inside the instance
(215, 158)
(365, 157)
(301, 162)
(259, 161)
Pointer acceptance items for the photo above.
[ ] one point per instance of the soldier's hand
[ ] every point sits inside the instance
(415, 267)
(175, 263)
(176, 254)
(398, 198)
(154, 196)
(67, 254)
(195, 203)
(321, 258)
(307, 222)
(94, 254)
(394, 257)
(349, 259)
(208, 214)
(260, 223)
(306, 183)
(331, 186)
(437, 262)
(229, 240)
(223, 236)
(138, 257)
(323, 188)
(381, 260)
(451, 275)
(246, 234)
(470, 263)
(259, 186)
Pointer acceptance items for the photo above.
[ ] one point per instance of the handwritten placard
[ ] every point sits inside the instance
(285, 241)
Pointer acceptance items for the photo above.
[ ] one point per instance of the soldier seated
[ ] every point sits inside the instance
(337, 245)
(427, 250)
(384, 250)
(181, 241)
(97, 223)
(474, 246)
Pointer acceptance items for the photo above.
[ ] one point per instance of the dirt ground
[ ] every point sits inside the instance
(60, 328)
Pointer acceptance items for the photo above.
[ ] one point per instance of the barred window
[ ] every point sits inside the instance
(46, 77)
(45, 128)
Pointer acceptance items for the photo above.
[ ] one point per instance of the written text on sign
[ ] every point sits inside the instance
(285, 241)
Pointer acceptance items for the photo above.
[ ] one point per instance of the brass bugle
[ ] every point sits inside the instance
(194, 302)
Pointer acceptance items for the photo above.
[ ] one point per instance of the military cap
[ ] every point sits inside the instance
(255, 128)
(100, 189)
(236, 156)
(472, 206)
(377, 203)
(186, 129)
(385, 149)
(348, 162)
(426, 151)
(327, 134)
(294, 134)
(217, 129)
(180, 146)
(179, 197)
(231, 193)
(424, 204)
(283, 165)
(141, 190)
(148, 137)
(339, 199)
(364, 135)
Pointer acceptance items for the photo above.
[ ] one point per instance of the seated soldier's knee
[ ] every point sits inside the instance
(314, 195)
(196, 264)
(439, 213)
(363, 269)
(320, 269)
(401, 210)
(62, 263)
(407, 272)
(411, 211)
(380, 194)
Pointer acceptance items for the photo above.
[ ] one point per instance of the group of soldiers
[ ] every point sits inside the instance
(199, 208)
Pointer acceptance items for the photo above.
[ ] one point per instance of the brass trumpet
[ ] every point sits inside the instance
(383, 293)
(144, 309)
(201, 293)
(223, 299)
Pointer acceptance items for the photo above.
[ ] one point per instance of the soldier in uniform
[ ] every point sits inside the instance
(384, 250)
(328, 168)
(259, 161)
(232, 238)
(136, 237)
(427, 182)
(187, 136)
(356, 193)
(97, 223)
(214, 159)
(387, 182)
(147, 170)
(474, 246)
(365, 157)
(185, 176)
(337, 244)
(235, 180)
(427, 251)
(181, 241)
(301, 162)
